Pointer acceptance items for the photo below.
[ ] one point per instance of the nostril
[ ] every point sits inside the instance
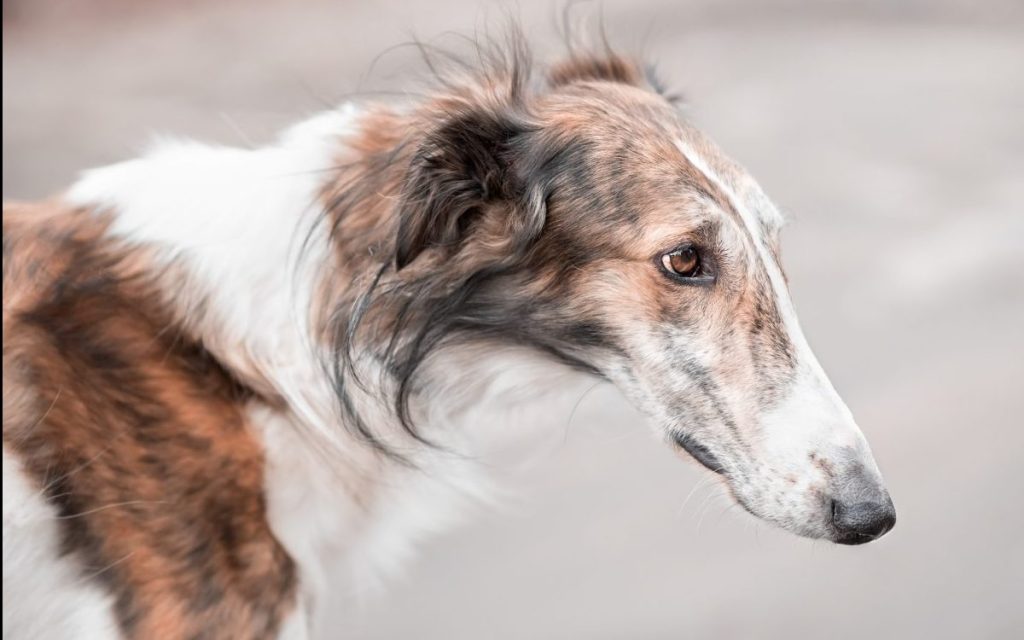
(860, 522)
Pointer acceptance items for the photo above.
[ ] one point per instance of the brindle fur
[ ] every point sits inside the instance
(135, 434)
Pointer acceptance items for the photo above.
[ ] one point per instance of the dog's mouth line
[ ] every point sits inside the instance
(699, 452)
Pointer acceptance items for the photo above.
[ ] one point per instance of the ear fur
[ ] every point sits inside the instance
(465, 174)
(608, 67)
(462, 174)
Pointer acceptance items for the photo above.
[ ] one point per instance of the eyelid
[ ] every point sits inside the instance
(686, 246)
(678, 249)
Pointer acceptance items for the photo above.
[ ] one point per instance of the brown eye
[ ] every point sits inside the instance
(683, 262)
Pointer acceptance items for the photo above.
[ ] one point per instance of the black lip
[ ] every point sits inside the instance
(699, 452)
(853, 539)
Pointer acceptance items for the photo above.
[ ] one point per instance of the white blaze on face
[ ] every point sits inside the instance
(811, 417)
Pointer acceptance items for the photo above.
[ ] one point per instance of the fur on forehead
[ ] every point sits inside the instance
(493, 134)
(453, 194)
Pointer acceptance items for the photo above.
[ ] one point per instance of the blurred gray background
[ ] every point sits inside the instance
(893, 135)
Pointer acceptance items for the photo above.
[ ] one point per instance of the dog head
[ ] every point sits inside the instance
(580, 214)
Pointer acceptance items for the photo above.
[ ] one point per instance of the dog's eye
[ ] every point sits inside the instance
(684, 262)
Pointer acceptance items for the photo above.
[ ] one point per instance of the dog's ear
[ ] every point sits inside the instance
(609, 67)
(606, 67)
(462, 182)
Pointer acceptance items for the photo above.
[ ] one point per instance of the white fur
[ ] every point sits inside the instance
(46, 594)
(235, 219)
(352, 525)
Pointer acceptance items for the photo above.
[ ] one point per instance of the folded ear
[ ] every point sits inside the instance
(463, 177)
(606, 67)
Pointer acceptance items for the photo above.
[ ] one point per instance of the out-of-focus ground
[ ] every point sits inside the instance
(892, 133)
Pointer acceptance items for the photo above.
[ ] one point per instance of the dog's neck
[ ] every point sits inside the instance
(239, 228)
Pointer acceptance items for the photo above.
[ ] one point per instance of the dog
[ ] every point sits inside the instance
(232, 375)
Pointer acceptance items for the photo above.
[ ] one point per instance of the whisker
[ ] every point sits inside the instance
(88, 577)
(703, 483)
(110, 506)
(575, 407)
(72, 472)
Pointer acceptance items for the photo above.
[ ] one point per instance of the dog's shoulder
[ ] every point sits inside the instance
(133, 434)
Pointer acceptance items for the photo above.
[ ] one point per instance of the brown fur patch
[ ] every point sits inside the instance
(135, 434)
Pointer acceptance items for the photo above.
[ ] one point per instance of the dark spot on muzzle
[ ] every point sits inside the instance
(699, 452)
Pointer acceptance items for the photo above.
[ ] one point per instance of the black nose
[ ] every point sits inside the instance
(860, 522)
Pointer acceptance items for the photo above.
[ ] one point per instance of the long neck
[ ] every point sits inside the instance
(240, 227)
